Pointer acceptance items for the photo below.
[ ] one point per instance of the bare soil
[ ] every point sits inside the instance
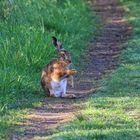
(103, 56)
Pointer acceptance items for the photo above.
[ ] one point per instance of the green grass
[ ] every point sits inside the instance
(114, 112)
(26, 27)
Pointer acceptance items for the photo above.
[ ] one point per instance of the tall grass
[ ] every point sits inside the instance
(25, 39)
(114, 112)
(26, 27)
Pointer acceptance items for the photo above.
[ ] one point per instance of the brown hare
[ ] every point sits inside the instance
(55, 75)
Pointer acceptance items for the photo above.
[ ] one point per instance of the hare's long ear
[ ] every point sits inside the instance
(56, 43)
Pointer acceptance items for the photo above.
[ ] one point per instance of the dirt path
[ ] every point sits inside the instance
(103, 57)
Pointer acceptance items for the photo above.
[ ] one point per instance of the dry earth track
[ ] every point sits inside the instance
(104, 56)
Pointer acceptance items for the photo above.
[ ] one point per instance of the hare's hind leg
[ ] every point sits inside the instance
(68, 96)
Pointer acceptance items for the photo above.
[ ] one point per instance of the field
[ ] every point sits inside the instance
(26, 27)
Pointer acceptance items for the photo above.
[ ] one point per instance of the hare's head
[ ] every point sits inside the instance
(59, 68)
(64, 55)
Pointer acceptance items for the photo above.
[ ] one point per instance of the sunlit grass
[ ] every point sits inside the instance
(106, 118)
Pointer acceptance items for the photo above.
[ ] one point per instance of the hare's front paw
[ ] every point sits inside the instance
(71, 72)
(74, 71)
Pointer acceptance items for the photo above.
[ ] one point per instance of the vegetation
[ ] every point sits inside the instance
(26, 27)
(114, 112)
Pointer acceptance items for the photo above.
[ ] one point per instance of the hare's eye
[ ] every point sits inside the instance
(63, 55)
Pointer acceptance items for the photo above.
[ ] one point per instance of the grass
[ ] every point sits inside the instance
(114, 112)
(25, 38)
(26, 27)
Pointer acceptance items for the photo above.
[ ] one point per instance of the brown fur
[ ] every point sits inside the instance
(55, 70)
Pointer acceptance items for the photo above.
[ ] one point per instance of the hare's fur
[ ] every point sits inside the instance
(55, 75)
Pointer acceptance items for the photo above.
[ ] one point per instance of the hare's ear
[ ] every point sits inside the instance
(56, 43)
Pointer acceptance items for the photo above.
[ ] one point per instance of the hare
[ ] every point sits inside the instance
(64, 55)
(55, 75)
